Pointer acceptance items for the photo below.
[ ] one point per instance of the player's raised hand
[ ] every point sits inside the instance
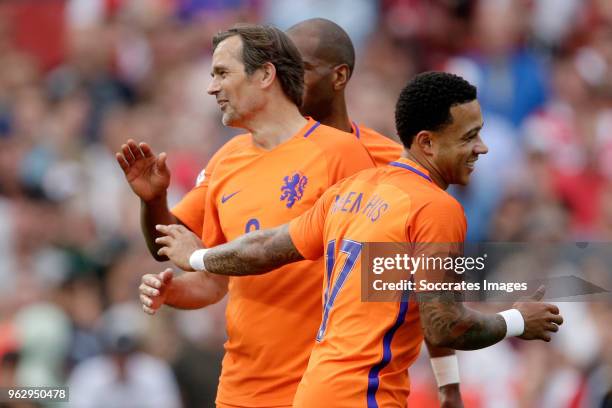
(147, 174)
(154, 290)
(541, 319)
(178, 244)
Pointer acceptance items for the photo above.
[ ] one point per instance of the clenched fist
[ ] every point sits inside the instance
(541, 319)
(154, 290)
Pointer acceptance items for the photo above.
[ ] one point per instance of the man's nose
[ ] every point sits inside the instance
(213, 87)
(481, 147)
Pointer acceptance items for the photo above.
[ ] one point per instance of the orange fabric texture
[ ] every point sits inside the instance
(271, 319)
(363, 349)
(382, 149)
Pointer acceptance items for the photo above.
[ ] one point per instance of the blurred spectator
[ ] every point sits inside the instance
(123, 375)
(80, 296)
(572, 131)
(87, 70)
(429, 31)
(551, 30)
(43, 333)
(511, 78)
(357, 17)
(9, 355)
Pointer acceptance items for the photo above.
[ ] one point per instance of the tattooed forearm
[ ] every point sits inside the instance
(254, 253)
(448, 323)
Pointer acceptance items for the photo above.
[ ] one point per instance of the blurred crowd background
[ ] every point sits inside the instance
(80, 77)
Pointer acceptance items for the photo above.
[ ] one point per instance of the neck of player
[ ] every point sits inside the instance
(337, 116)
(275, 124)
(422, 161)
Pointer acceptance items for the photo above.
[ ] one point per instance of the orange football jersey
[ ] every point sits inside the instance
(382, 149)
(363, 349)
(271, 319)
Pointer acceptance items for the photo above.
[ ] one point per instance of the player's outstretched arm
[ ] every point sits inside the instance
(254, 253)
(448, 323)
(251, 254)
(149, 178)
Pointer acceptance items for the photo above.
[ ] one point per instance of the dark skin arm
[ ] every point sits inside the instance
(153, 213)
(449, 394)
(448, 323)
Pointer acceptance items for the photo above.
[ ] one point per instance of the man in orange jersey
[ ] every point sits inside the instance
(260, 179)
(363, 348)
(329, 61)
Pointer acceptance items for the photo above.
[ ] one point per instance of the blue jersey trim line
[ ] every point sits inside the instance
(373, 380)
(312, 129)
(412, 169)
(357, 131)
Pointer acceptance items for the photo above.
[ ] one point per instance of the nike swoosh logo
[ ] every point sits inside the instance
(227, 197)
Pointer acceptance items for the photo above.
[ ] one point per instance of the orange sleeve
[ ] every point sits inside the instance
(383, 149)
(212, 233)
(307, 230)
(345, 155)
(190, 210)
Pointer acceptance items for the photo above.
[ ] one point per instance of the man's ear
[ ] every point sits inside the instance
(424, 140)
(341, 77)
(268, 71)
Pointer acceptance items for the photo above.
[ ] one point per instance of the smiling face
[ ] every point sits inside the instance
(456, 147)
(237, 93)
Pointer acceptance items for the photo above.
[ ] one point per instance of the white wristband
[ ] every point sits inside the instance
(445, 369)
(515, 324)
(196, 260)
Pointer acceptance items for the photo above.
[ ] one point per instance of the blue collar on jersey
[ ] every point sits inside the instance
(412, 169)
(357, 131)
(312, 129)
